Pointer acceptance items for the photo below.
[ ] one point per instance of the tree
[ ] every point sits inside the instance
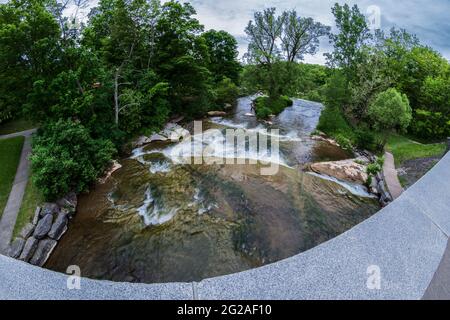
(353, 34)
(29, 51)
(66, 158)
(298, 36)
(223, 53)
(435, 94)
(390, 111)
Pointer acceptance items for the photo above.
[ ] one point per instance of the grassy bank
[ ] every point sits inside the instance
(31, 200)
(16, 125)
(266, 106)
(405, 149)
(10, 150)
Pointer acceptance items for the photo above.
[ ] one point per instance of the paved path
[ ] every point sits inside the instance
(391, 177)
(8, 219)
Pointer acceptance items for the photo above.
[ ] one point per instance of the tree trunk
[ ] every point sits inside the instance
(116, 96)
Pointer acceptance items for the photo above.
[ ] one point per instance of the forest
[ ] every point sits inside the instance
(133, 65)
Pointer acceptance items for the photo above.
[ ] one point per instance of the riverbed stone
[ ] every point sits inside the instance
(43, 251)
(43, 227)
(28, 249)
(141, 141)
(16, 248)
(59, 227)
(27, 230)
(157, 137)
(217, 113)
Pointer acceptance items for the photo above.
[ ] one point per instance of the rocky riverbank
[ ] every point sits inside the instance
(39, 237)
(353, 171)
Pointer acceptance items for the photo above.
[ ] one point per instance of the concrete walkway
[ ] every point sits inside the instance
(391, 177)
(8, 219)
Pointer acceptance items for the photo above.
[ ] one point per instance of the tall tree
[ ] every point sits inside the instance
(223, 53)
(353, 34)
(297, 36)
(300, 36)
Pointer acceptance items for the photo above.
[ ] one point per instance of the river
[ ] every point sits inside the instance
(161, 218)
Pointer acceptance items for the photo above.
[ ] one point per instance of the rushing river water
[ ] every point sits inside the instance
(161, 219)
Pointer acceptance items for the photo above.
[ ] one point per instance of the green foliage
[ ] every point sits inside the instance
(390, 111)
(430, 125)
(226, 92)
(373, 168)
(274, 39)
(29, 51)
(266, 106)
(332, 122)
(223, 53)
(65, 158)
(353, 34)
(435, 94)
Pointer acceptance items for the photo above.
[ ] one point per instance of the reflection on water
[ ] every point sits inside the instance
(161, 219)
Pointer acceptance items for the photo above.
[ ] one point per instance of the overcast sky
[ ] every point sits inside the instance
(428, 19)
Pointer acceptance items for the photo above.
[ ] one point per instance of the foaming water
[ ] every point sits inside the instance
(178, 211)
(356, 189)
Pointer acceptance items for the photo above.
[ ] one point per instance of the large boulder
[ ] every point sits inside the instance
(141, 141)
(43, 251)
(157, 138)
(346, 170)
(28, 249)
(27, 231)
(16, 248)
(174, 132)
(59, 227)
(43, 227)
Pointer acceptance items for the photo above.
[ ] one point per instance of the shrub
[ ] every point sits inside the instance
(265, 106)
(226, 92)
(390, 111)
(332, 122)
(65, 158)
(369, 140)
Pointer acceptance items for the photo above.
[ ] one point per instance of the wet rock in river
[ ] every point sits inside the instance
(217, 113)
(347, 170)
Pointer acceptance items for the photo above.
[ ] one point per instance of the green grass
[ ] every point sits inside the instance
(405, 149)
(10, 150)
(31, 200)
(16, 125)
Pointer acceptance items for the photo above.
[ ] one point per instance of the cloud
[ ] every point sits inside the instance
(429, 20)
